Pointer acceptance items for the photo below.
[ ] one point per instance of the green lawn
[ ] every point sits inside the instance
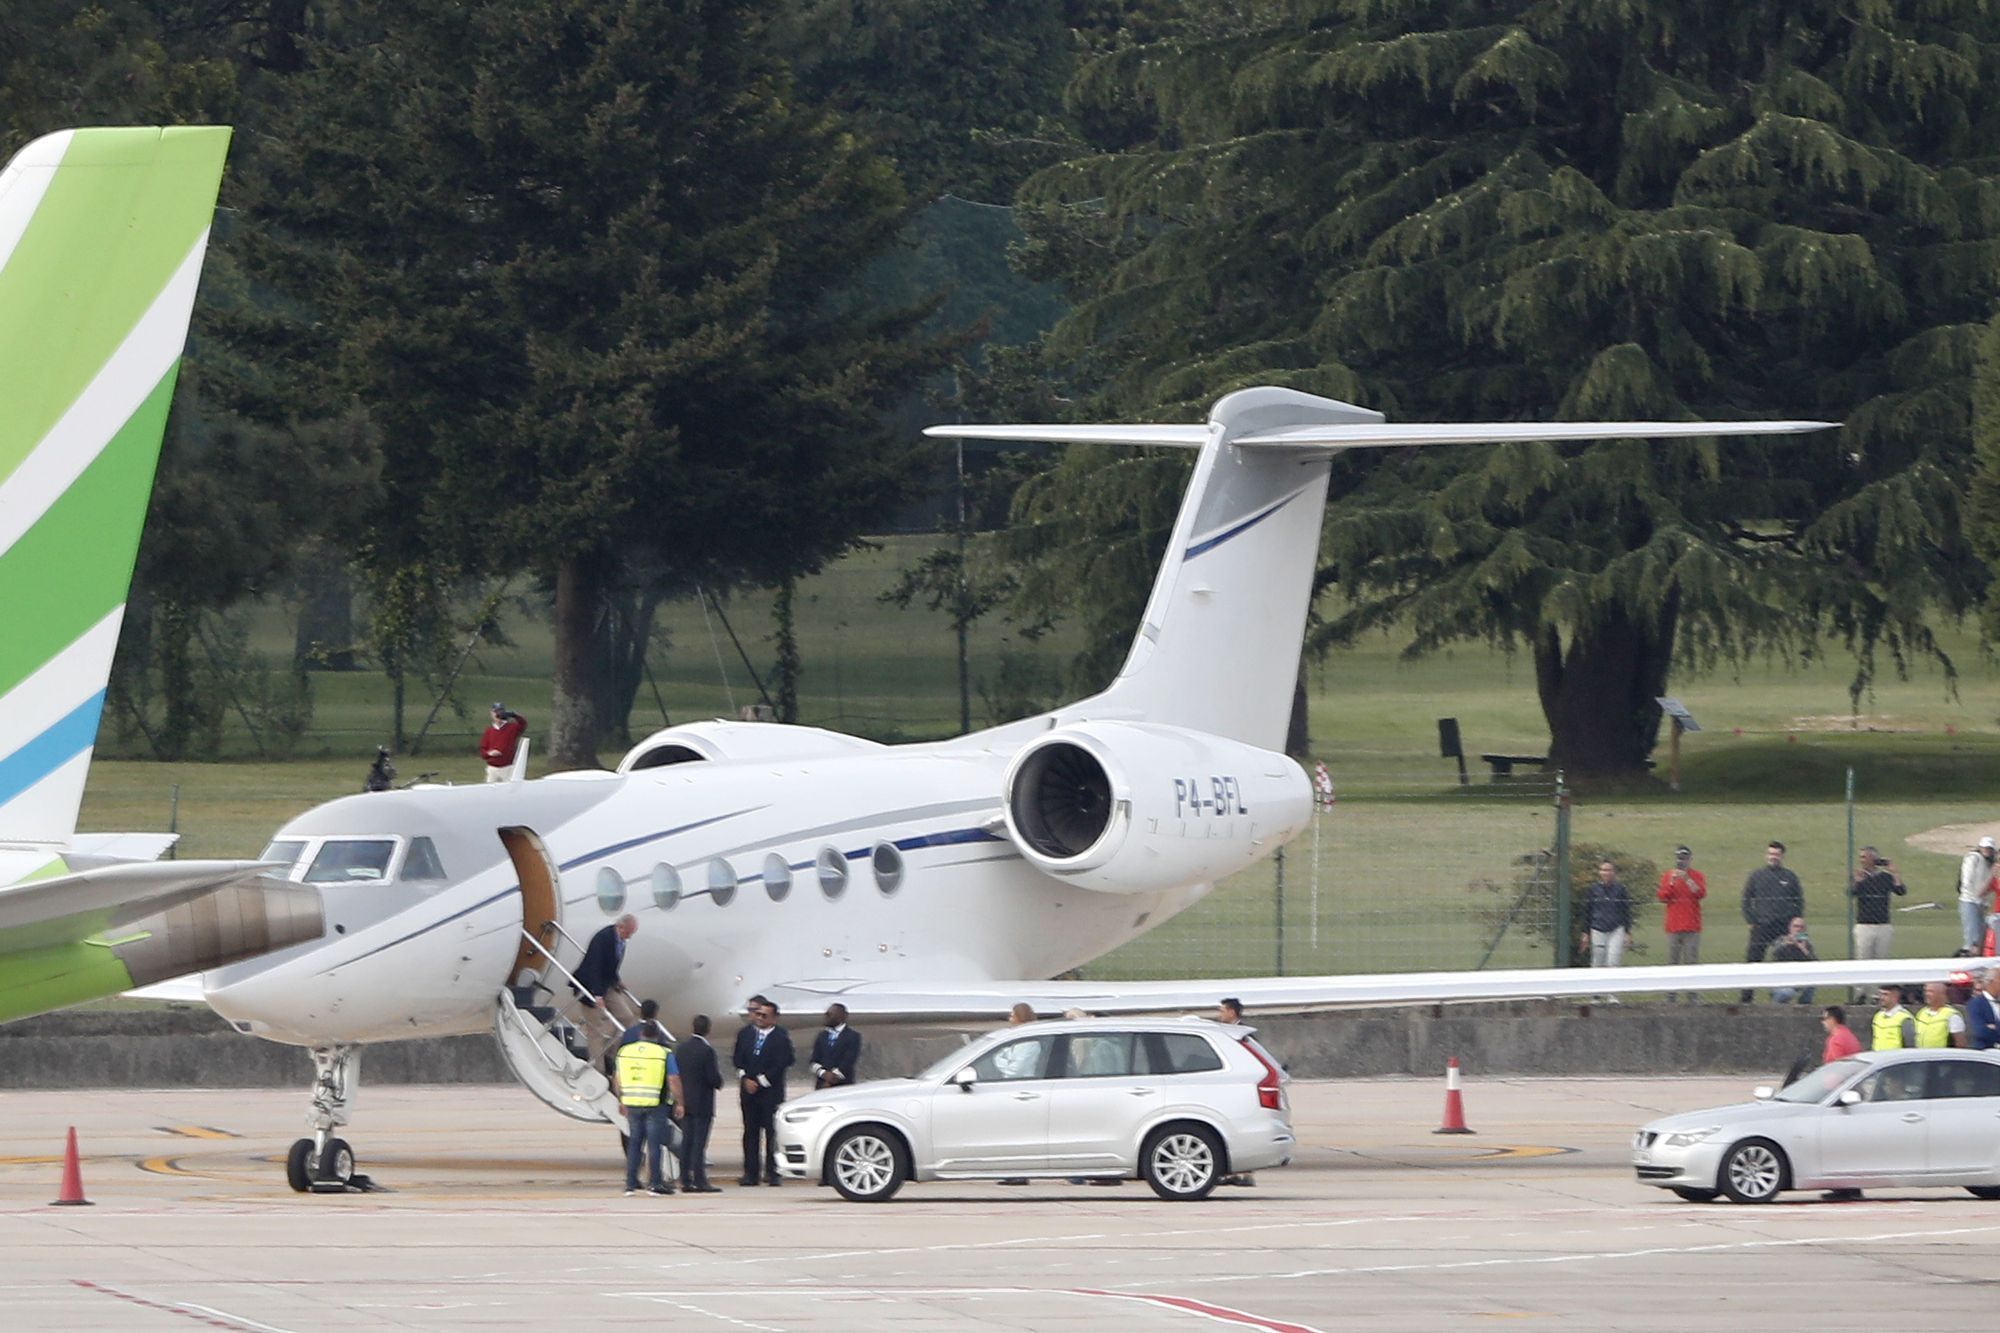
(1411, 870)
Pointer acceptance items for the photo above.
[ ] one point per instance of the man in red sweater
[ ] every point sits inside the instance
(500, 741)
(1840, 1040)
(1682, 890)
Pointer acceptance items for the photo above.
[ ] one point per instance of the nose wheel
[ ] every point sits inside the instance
(313, 1168)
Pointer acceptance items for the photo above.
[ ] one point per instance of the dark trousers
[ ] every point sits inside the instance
(1762, 934)
(694, 1151)
(760, 1134)
(645, 1131)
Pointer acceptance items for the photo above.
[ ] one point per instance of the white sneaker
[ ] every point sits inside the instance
(630, 1193)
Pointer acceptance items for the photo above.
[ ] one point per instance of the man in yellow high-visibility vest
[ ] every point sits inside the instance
(1939, 1023)
(648, 1085)
(1893, 1028)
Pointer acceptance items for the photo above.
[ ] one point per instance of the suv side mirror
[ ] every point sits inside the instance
(965, 1078)
(1849, 1098)
(1764, 1092)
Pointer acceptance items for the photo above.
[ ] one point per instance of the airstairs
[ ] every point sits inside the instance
(547, 1052)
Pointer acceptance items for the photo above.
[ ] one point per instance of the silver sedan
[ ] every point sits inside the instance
(1180, 1103)
(1878, 1120)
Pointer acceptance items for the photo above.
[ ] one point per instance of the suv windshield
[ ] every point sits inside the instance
(1819, 1085)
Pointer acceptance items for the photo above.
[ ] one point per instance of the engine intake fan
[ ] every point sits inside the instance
(1061, 800)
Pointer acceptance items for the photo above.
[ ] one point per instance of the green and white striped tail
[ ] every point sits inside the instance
(102, 233)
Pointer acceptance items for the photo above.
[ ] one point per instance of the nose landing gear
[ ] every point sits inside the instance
(324, 1164)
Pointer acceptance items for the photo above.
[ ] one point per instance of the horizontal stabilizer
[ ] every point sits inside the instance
(68, 907)
(1172, 437)
(959, 1001)
(1381, 435)
(123, 846)
(1509, 432)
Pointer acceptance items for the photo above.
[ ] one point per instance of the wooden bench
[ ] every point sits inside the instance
(1503, 764)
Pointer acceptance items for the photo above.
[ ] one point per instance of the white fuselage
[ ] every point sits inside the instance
(426, 958)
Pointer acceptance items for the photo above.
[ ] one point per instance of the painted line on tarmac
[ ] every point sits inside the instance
(186, 1309)
(169, 1166)
(1221, 1314)
(197, 1131)
(1519, 1261)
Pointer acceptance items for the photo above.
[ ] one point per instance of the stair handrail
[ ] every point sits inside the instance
(555, 962)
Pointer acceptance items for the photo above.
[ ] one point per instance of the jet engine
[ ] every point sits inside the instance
(1134, 807)
(719, 741)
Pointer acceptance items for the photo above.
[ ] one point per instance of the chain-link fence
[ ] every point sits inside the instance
(1417, 880)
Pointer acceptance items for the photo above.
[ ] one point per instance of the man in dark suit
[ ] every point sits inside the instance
(763, 1054)
(836, 1051)
(1982, 1014)
(598, 974)
(701, 1079)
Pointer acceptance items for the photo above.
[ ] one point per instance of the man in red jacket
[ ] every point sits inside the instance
(1682, 890)
(500, 741)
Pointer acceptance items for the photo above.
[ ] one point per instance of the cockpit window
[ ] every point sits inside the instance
(285, 851)
(422, 862)
(350, 860)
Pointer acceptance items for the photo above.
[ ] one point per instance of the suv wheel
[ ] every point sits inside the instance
(867, 1164)
(1182, 1162)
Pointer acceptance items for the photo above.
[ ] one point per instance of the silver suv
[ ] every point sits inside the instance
(1179, 1103)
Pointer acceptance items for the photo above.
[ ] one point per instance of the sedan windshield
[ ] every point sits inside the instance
(1819, 1085)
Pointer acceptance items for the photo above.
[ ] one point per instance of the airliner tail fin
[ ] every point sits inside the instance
(102, 233)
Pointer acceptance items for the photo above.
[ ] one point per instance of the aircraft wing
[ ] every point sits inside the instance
(981, 1001)
(97, 932)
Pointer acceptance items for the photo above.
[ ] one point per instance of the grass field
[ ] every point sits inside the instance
(1407, 863)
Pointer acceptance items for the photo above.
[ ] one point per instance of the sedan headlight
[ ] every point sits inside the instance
(799, 1115)
(1687, 1138)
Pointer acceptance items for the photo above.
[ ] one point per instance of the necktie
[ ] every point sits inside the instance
(759, 1048)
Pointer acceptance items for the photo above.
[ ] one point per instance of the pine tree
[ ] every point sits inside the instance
(1450, 209)
(575, 258)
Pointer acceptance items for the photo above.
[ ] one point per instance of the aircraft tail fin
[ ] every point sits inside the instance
(102, 233)
(1218, 649)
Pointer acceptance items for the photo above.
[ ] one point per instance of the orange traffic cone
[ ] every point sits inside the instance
(72, 1181)
(1454, 1102)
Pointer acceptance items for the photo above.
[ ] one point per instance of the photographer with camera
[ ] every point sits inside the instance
(1874, 880)
(501, 741)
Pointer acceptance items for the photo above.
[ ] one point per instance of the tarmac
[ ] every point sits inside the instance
(499, 1214)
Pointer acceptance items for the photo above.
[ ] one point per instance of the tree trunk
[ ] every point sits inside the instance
(325, 637)
(785, 671)
(572, 736)
(625, 634)
(1599, 692)
(1298, 735)
(174, 641)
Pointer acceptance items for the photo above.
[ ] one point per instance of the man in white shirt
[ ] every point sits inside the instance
(1975, 892)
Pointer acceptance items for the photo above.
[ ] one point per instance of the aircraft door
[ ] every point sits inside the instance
(541, 899)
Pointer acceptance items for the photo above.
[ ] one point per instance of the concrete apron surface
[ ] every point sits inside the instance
(503, 1215)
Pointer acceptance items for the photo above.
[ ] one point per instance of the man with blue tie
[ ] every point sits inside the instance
(1982, 1015)
(763, 1054)
(836, 1051)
